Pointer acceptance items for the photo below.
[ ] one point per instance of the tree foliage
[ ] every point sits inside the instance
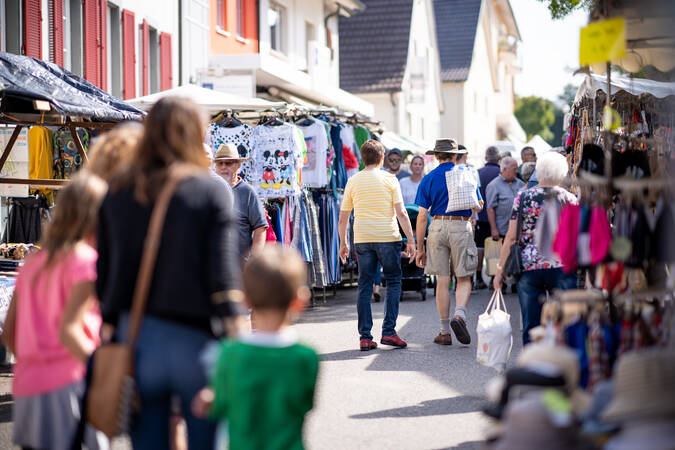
(535, 115)
(566, 97)
(561, 8)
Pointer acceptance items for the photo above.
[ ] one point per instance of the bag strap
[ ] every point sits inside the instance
(491, 302)
(151, 248)
(520, 219)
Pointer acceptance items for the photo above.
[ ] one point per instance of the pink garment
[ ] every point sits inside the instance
(288, 226)
(271, 235)
(601, 235)
(43, 364)
(565, 244)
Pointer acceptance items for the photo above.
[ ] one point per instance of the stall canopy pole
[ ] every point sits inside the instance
(78, 142)
(10, 144)
(609, 141)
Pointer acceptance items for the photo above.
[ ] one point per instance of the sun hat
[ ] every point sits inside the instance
(556, 358)
(446, 146)
(644, 386)
(228, 152)
(530, 424)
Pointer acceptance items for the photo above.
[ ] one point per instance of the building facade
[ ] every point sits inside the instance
(389, 57)
(478, 52)
(128, 48)
(289, 52)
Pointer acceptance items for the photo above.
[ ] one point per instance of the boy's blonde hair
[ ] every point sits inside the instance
(113, 151)
(273, 278)
(75, 214)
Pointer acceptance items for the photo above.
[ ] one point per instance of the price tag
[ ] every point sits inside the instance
(602, 41)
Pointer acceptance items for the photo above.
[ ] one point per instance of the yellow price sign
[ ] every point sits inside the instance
(602, 41)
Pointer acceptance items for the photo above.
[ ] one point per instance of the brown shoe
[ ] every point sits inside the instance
(443, 339)
(461, 331)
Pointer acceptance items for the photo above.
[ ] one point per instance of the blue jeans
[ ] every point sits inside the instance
(167, 365)
(531, 286)
(388, 254)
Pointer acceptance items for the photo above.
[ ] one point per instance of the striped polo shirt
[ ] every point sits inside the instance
(372, 195)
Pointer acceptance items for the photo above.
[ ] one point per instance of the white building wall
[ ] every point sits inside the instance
(452, 120)
(195, 39)
(161, 15)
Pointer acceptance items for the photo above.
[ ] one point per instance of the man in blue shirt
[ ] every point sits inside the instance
(450, 244)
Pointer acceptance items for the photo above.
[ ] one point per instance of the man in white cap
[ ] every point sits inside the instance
(251, 222)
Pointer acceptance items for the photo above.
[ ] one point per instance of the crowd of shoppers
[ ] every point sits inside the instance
(76, 292)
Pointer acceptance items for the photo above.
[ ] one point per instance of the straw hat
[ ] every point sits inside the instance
(561, 359)
(644, 386)
(528, 425)
(446, 146)
(228, 152)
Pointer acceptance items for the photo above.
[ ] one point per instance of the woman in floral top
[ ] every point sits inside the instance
(541, 273)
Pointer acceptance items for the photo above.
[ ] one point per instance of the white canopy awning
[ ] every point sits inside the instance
(633, 86)
(392, 140)
(212, 101)
(539, 145)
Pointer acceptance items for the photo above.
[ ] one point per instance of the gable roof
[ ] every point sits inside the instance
(374, 46)
(456, 24)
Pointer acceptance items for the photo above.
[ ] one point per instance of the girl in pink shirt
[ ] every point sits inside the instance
(53, 323)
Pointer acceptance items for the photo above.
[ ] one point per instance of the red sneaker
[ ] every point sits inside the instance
(367, 344)
(393, 340)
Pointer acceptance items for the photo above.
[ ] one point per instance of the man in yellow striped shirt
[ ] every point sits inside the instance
(375, 196)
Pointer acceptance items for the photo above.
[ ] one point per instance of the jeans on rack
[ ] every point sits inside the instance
(531, 286)
(388, 254)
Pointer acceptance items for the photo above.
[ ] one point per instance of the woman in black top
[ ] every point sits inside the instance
(195, 281)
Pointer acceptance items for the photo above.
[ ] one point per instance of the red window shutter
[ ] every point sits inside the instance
(103, 40)
(165, 63)
(92, 55)
(32, 28)
(57, 31)
(145, 31)
(129, 54)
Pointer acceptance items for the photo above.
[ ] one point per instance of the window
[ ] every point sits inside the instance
(221, 22)
(276, 20)
(75, 41)
(154, 61)
(241, 20)
(115, 59)
(310, 35)
(12, 40)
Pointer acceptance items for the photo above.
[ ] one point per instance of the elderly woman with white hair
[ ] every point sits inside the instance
(540, 273)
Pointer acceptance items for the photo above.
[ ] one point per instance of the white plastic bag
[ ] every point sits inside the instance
(462, 182)
(494, 334)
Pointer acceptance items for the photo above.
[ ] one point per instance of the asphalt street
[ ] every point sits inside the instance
(423, 397)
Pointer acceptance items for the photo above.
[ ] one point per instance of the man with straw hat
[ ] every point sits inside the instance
(251, 222)
(450, 245)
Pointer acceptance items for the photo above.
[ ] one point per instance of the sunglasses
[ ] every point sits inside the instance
(394, 160)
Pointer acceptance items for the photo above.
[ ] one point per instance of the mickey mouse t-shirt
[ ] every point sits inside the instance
(240, 136)
(276, 160)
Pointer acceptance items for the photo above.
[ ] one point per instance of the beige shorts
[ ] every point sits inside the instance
(451, 249)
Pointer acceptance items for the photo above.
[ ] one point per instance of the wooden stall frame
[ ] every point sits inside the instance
(71, 125)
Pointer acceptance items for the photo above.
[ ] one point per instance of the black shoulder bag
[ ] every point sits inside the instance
(514, 263)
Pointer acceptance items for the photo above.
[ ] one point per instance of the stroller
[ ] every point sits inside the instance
(413, 277)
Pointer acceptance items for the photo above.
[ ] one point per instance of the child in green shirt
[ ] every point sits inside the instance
(264, 381)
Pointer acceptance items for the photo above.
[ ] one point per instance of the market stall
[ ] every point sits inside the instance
(47, 117)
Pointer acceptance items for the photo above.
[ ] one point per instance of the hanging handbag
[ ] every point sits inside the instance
(111, 392)
(514, 263)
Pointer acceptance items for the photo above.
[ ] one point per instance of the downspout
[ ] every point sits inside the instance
(329, 39)
(180, 42)
(394, 105)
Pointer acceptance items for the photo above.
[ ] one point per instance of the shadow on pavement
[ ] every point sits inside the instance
(5, 408)
(344, 355)
(440, 407)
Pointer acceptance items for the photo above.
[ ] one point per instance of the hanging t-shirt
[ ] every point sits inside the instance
(240, 136)
(349, 150)
(276, 159)
(41, 156)
(314, 173)
(67, 159)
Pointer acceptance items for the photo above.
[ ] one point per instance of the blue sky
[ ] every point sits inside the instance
(549, 50)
